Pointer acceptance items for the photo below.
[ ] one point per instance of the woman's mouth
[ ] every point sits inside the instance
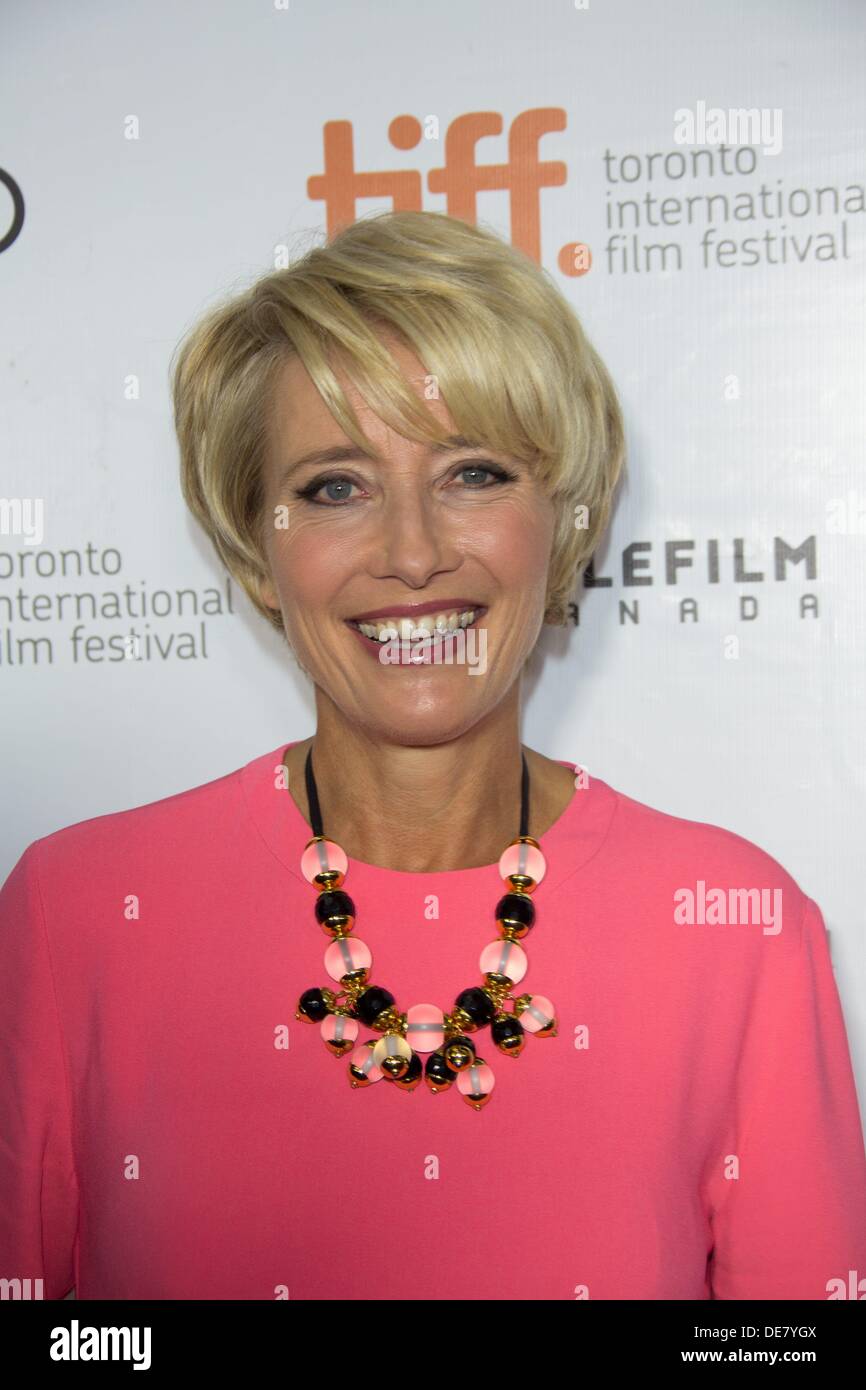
(422, 632)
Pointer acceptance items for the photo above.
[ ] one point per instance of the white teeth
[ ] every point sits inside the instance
(409, 629)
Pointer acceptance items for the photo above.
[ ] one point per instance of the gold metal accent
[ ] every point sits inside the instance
(496, 987)
(353, 988)
(458, 1056)
(521, 883)
(459, 1021)
(390, 1020)
(394, 1065)
(354, 978)
(510, 929)
(338, 925)
(477, 1102)
(329, 879)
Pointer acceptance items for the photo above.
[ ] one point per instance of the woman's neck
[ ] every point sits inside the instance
(453, 805)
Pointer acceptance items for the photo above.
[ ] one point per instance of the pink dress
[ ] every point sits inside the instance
(170, 1130)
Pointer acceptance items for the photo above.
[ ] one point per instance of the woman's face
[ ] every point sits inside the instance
(461, 531)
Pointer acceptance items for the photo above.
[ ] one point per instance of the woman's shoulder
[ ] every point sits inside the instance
(702, 860)
(173, 825)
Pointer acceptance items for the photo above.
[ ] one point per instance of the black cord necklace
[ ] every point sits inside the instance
(424, 1028)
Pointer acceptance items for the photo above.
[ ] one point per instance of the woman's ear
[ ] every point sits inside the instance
(268, 594)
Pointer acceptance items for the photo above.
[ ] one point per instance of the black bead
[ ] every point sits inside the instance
(478, 1005)
(371, 1003)
(516, 907)
(438, 1070)
(333, 904)
(312, 1004)
(464, 1042)
(412, 1070)
(505, 1028)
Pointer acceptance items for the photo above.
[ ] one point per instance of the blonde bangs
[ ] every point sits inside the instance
(498, 344)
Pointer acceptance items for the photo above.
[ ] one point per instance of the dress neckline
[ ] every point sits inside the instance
(568, 844)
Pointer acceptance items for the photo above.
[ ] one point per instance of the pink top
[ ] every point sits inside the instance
(691, 1132)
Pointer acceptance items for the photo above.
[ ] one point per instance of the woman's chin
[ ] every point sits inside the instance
(423, 724)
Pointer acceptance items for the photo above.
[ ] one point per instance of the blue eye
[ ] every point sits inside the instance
(311, 490)
(478, 468)
(337, 484)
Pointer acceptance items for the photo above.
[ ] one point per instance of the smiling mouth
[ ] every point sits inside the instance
(427, 625)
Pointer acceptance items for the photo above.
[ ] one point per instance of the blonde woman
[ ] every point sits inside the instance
(408, 1009)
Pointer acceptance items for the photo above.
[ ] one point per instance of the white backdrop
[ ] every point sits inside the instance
(162, 154)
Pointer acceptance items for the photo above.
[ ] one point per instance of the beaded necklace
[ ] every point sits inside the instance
(424, 1028)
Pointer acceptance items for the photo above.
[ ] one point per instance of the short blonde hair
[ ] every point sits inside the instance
(505, 349)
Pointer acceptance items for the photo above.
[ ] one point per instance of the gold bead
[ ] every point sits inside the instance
(394, 1066)
(338, 924)
(330, 879)
(510, 929)
(521, 883)
(458, 1055)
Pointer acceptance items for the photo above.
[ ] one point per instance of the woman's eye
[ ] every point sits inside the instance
(335, 490)
(473, 474)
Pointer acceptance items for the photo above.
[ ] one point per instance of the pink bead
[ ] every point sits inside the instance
(339, 1028)
(539, 1013)
(522, 859)
(346, 954)
(476, 1081)
(362, 1060)
(322, 855)
(425, 1027)
(504, 958)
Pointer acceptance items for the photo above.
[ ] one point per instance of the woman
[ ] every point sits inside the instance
(614, 1087)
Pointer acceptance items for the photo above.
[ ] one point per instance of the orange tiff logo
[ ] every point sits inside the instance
(461, 178)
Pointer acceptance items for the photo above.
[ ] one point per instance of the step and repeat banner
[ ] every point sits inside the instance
(692, 176)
